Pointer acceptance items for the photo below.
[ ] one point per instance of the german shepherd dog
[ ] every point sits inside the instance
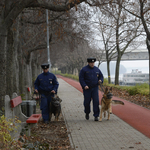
(106, 103)
(55, 107)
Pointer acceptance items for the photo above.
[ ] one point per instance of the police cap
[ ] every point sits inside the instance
(91, 59)
(45, 66)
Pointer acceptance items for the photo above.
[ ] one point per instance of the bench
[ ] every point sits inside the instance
(15, 110)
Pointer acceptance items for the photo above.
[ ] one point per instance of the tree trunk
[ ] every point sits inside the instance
(33, 72)
(39, 69)
(28, 77)
(117, 69)
(27, 81)
(9, 64)
(17, 51)
(108, 71)
(148, 47)
(3, 48)
(108, 65)
(21, 75)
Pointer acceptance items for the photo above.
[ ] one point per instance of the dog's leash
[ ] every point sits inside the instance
(102, 87)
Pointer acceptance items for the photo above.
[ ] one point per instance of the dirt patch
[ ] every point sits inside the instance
(53, 136)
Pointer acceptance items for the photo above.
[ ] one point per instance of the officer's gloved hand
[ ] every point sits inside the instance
(86, 87)
(99, 82)
(53, 92)
(36, 91)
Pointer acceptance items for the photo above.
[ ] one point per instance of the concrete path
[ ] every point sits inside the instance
(114, 134)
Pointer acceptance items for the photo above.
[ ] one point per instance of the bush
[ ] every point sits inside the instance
(56, 72)
(133, 91)
(6, 126)
(71, 76)
(142, 89)
(105, 81)
(75, 77)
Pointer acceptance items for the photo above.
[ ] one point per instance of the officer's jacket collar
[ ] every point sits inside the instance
(90, 67)
(46, 73)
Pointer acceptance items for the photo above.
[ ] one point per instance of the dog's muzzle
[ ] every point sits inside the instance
(56, 103)
(109, 95)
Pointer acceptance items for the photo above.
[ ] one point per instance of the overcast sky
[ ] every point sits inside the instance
(125, 67)
(141, 65)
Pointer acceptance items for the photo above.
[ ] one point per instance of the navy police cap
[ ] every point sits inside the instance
(45, 66)
(91, 59)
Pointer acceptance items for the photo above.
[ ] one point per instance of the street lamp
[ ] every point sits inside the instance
(48, 52)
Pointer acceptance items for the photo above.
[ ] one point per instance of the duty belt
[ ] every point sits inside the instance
(90, 87)
(45, 92)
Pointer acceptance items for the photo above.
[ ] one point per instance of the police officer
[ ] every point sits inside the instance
(89, 78)
(46, 84)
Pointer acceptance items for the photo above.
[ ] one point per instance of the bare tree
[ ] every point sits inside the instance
(105, 26)
(140, 10)
(123, 30)
(68, 61)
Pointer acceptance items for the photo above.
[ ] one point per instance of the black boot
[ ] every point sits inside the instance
(46, 122)
(96, 119)
(87, 117)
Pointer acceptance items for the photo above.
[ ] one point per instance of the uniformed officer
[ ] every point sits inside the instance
(46, 84)
(90, 76)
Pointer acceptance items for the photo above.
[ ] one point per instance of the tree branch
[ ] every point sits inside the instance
(41, 22)
(39, 47)
(20, 5)
(58, 8)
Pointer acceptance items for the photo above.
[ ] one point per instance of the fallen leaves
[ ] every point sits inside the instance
(53, 135)
(138, 99)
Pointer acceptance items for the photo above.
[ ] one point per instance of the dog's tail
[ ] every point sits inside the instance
(117, 102)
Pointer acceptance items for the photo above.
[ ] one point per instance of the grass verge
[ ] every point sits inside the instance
(142, 89)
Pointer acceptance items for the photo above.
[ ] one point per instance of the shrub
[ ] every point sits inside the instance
(6, 126)
(133, 91)
(142, 89)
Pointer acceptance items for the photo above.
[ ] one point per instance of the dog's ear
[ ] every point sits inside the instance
(110, 89)
(60, 100)
(106, 89)
(52, 97)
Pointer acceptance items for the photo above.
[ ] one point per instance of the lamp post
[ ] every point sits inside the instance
(48, 52)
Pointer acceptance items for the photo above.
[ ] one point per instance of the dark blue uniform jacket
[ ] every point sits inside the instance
(46, 82)
(90, 76)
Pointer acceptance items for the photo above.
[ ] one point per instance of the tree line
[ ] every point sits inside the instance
(72, 26)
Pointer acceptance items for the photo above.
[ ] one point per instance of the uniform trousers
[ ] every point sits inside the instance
(44, 106)
(91, 94)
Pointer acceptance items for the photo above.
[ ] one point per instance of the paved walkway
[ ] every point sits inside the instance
(114, 134)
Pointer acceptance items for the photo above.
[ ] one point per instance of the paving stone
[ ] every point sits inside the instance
(114, 134)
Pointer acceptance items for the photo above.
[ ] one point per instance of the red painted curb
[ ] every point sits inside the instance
(136, 116)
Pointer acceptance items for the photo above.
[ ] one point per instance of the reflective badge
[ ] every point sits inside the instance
(50, 81)
(97, 74)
